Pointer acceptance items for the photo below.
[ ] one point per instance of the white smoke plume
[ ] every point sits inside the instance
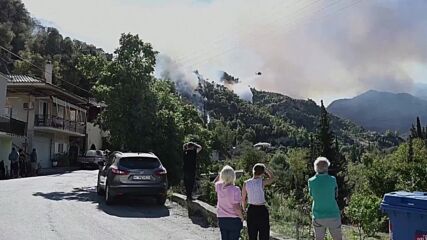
(329, 51)
(304, 48)
(186, 81)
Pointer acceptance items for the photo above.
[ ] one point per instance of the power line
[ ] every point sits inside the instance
(299, 12)
(224, 36)
(200, 54)
(234, 47)
(42, 70)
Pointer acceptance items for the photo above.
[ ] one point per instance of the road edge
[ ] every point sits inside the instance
(208, 212)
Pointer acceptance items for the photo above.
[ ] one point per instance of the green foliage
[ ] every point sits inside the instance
(208, 192)
(251, 122)
(37, 45)
(288, 211)
(364, 211)
(223, 137)
(305, 114)
(144, 114)
(250, 157)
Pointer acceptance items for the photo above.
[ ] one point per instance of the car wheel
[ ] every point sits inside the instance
(99, 189)
(161, 200)
(109, 199)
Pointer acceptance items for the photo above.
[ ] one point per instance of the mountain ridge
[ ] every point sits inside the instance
(380, 110)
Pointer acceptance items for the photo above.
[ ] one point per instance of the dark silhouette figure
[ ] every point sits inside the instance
(22, 164)
(33, 161)
(14, 164)
(190, 162)
(2, 170)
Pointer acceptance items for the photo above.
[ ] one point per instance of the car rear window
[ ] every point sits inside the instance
(139, 163)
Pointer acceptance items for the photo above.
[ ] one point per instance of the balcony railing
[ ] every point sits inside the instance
(12, 126)
(59, 123)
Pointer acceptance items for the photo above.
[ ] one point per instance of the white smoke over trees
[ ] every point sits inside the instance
(304, 48)
(341, 50)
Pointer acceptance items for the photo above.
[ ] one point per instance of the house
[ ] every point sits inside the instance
(95, 135)
(55, 118)
(9, 127)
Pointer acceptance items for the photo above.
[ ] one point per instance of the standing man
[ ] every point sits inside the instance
(191, 150)
(14, 165)
(33, 160)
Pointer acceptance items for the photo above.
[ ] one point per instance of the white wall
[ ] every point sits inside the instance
(42, 144)
(16, 103)
(94, 136)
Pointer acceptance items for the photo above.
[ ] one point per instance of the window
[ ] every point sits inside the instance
(60, 147)
(42, 108)
(60, 111)
(139, 163)
(73, 115)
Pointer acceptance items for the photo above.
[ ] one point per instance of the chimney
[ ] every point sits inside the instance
(48, 72)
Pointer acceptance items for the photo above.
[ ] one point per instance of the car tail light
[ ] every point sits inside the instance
(160, 172)
(117, 171)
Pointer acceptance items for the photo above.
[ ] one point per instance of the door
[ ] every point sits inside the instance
(42, 146)
(43, 113)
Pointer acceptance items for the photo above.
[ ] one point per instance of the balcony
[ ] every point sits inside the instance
(60, 124)
(12, 126)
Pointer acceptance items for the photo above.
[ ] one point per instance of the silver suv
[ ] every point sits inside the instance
(132, 174)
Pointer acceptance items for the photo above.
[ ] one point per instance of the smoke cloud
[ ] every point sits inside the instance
(329, 51)
(367, 46)
(321, 49)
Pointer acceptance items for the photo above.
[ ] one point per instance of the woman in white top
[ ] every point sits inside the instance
(258, 221)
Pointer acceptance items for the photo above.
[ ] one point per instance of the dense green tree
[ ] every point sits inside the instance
(143, 113)
(329, 148)
(419, 129)
(364, 212)
(126, 88)
(410, 156)
(325, 137)
(223, 138)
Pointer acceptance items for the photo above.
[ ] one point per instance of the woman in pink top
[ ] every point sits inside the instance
(229, 211)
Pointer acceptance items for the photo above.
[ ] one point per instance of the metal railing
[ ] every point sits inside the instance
(59, 123)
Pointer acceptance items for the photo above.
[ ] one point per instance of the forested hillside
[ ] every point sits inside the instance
(21, 35)
(305, 114)
(281, 120)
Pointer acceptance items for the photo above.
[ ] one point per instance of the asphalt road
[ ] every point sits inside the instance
(66, 206)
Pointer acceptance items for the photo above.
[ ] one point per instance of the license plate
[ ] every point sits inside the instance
(141, 177)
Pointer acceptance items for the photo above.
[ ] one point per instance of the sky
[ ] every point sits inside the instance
(317, 49)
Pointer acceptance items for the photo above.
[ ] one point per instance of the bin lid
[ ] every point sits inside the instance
(413, 200)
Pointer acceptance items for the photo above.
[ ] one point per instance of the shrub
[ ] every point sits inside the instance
(364, 212)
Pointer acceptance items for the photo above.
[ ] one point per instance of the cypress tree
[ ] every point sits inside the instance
(419, 129)
(413, 131)
(325, 136)
(329, 148)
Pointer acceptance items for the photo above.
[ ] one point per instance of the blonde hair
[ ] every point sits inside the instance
(227, 175)
(321, 165)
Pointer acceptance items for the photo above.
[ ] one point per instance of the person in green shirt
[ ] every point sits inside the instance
(325, 212)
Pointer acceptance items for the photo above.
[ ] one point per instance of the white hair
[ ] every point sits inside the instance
(321, 165)
(227, 175)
